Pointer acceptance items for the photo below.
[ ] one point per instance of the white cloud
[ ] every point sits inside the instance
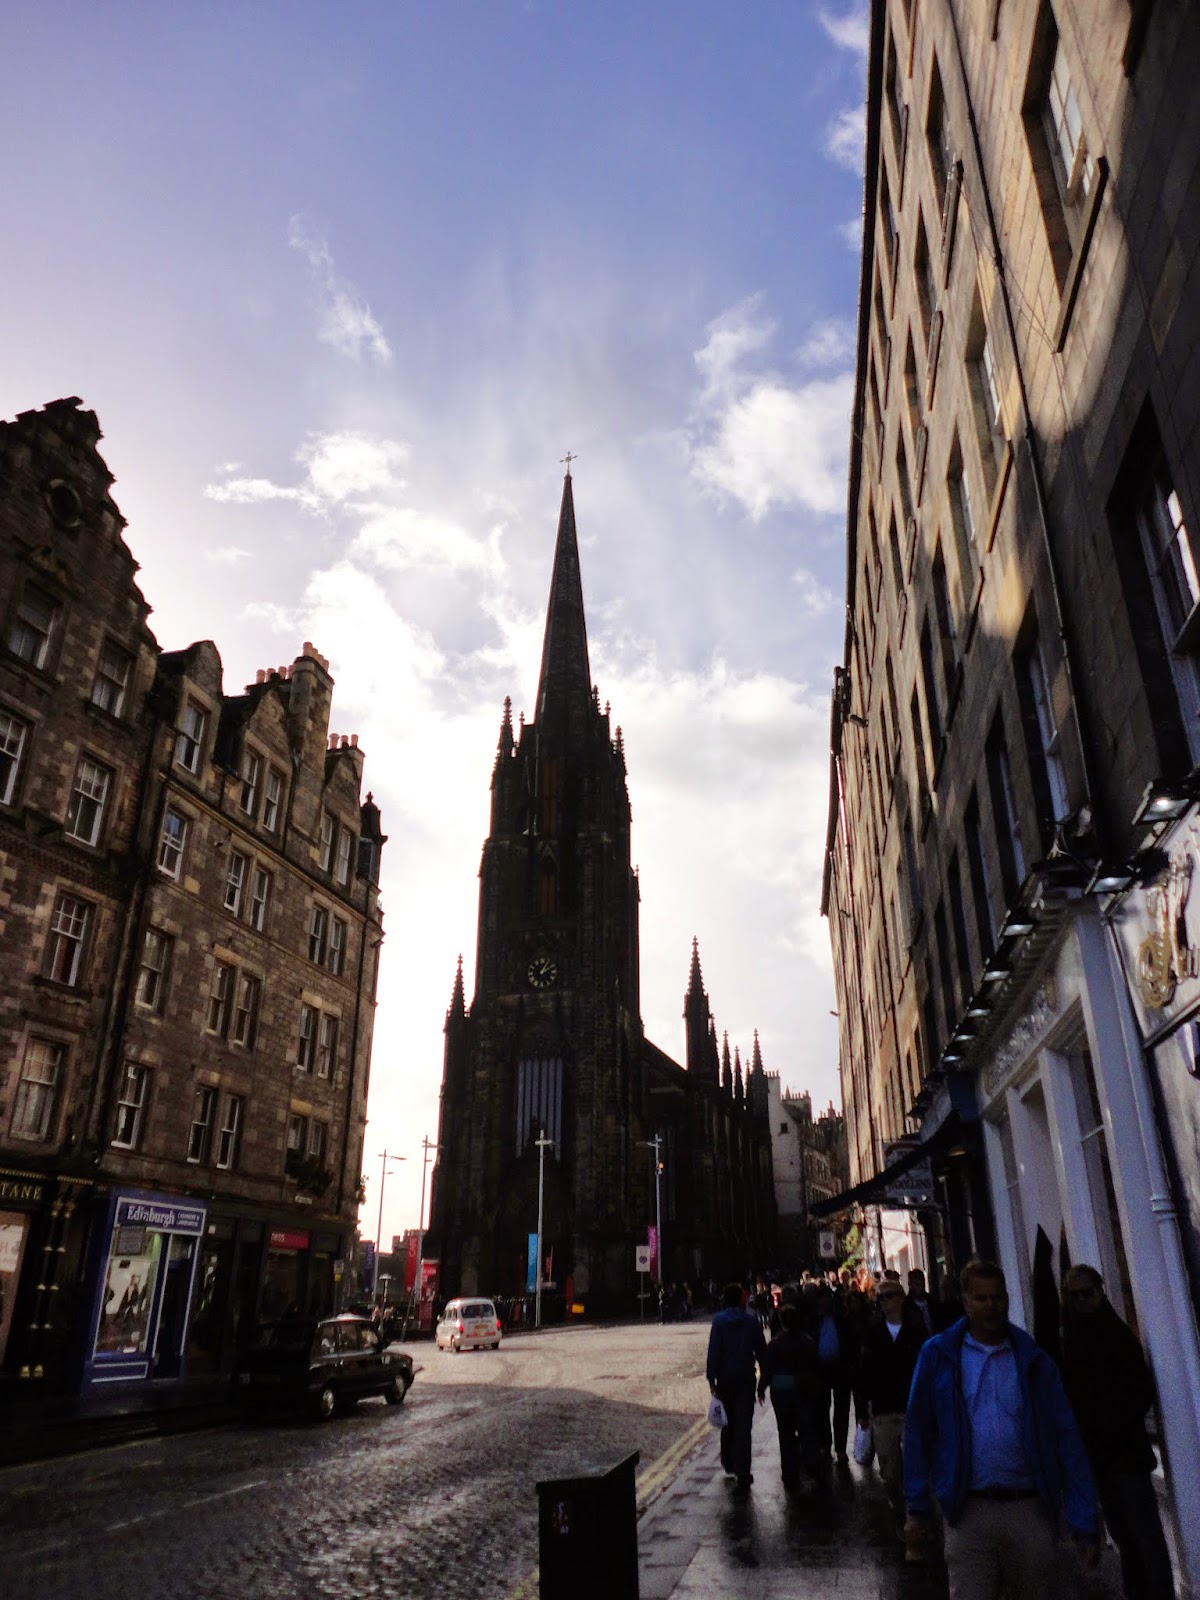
(757, 439)
(346, 465)
(814, 598)
(849, 29)
(396, 537)
(828, 344)
(347, 324)
(852, 233)
(256, 491)
(227, 555)
(845, 136)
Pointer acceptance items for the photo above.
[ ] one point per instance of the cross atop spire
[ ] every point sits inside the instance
(565, 684)
(567, 460)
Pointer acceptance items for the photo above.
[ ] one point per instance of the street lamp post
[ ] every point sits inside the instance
(655, 1144)
(384, 1158)
(427, 1148)
(542, 1144)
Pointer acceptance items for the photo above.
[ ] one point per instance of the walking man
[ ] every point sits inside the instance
(890, 1348)
(735, 1346)
(1110, 1389)
(990, 1436)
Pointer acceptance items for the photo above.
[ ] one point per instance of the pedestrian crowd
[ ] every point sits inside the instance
(983, 1443)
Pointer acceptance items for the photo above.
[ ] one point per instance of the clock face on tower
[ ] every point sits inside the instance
(542, 972)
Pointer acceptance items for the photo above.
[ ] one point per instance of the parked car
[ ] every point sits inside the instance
(468, 1324)
(318, 1366)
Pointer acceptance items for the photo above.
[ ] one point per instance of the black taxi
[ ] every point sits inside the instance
(319, 1366)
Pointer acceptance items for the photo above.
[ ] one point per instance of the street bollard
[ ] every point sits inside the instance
(587, 1534)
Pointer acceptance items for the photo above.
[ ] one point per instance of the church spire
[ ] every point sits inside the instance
(695, 981)
(565, 683)
(726, 1068)
(458, 1004)
(756, 1065)
(738, 1092)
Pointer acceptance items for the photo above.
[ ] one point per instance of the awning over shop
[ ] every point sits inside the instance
(888, 1187)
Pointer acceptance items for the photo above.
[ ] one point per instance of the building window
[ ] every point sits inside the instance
(958, 925)
(539, 1101)
(37, 1089)
(306, 1051)
(327, 836)
(1093, 1139)
(318, 931)
(85, 813)
(947, 636)
(220, 999)
(345, 850)
(905, 482)
(981, 889)
(918, 733)
(927, 294)
(251, 775)
(235, 881)
(13, 733)
(984, 381)
(204, 1110)
(1172, 561)
(230, 1134)
(895, 97)
(1004, 811)
(1042, 743)
(68, 930)
(111, 683)
(327, 1037)
(962, 518)
(131, 1107)
(337, 946)
(259, 895)
(891, 238)
(245, 1011)
(318, 1141)
(938, 141)
(29, 633)
(929, 678)
(297, 1134)
(912, 392)
(1063, 169)
(1064, 131)
(152, 973)
(189, 742)
(271, 800)
(170, 844)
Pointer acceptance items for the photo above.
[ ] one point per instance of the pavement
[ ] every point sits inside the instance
(42, 1429)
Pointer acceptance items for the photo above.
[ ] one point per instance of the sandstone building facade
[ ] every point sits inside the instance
(553, 1041)
(189, 938)
(1016, 720)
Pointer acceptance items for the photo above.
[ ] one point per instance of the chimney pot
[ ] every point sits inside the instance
(354, 741)
(260, 676)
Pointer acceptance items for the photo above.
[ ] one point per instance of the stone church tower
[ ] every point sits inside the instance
(553, 1038)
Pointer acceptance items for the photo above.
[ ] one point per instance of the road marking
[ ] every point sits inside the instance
(148, 1516)
(223, 1494)
(656, 1476)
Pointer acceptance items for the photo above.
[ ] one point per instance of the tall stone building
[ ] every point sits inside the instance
(553, 1038)
(1016, 721)
(189, 937)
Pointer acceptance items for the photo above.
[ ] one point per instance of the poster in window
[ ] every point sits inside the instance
(128, 1297)
(13, 1227)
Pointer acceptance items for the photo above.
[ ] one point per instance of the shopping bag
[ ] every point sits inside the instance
(717, 1414)
(864, 1443)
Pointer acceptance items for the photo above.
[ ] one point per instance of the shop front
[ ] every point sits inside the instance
(22, 1195)
(147, 1255)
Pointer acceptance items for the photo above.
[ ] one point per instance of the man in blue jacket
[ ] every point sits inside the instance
(735, 1344)
(991, 1437)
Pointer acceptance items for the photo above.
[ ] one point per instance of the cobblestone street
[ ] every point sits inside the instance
(399, 1502)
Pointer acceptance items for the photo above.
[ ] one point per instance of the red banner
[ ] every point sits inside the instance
(410, 1263)
(288, 1239)
(429, 1288)
(652, 1238)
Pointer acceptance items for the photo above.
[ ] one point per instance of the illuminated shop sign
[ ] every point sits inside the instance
(165, 1218)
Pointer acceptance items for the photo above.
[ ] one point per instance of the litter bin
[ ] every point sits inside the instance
(587, 1534)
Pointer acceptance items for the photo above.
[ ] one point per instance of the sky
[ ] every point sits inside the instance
(344, 284)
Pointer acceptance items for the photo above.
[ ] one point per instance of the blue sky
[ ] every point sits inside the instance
(343, 284)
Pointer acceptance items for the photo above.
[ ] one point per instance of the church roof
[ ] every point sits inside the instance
(565, 683)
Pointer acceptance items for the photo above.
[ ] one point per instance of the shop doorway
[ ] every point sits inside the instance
(172, 1315)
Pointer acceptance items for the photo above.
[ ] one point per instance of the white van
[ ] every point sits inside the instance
(468, 1324)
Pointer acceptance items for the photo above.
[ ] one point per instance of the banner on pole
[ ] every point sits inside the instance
(531, 1269)
(429, 1290)
(652, 1235)
(641, 1258)
(410, 1263)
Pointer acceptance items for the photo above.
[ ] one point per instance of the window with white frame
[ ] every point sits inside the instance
(318, 932)
(204, 1112)
(111, 683)
(235, 881)
(306, 1050)
(89, 796)
(131, 1106)
(1004, 811)
(1172, 561)
(259, 895)
(1042, 743)
(325, 846)
(245, 1011)
(220, 998)
(229, 1137)
(37, 1088)
(171, 842)
(251, 776)
(1064, 131)
(318, 1140)
(272, 796)
(345, 849)
(151, 990)
(31, 627)
(68, 931)
(297, 1134)
(327, 1037)
(189, 741)
(337, 946)
(13, 734)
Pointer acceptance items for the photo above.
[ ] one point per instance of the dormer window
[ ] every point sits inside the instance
(250, 777)
(189, 741)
